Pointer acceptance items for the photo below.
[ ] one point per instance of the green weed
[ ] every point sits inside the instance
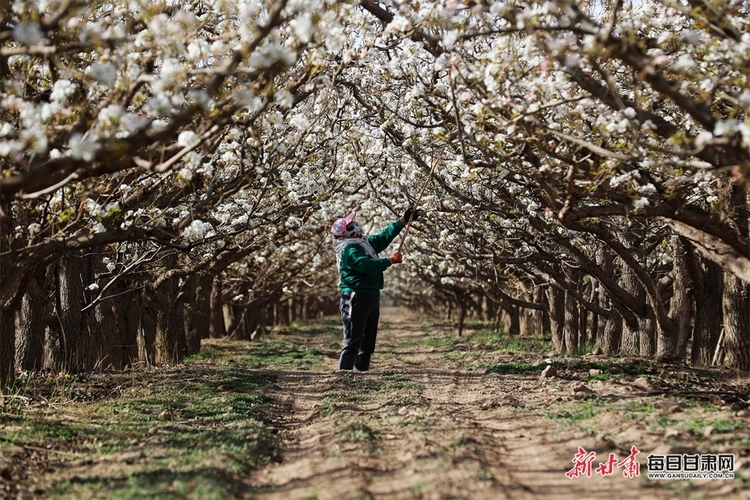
(515, 368)
(661, 422)
(576, 413)
(444, 342)
(189, 433)
(505, 342)
(201, 355)
(277, 352)
(599, 376)
(698, 426)
(636, 411)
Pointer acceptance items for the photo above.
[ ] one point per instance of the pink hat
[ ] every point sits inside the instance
(339, 227)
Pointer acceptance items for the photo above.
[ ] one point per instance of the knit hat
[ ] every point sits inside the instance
(339, 227)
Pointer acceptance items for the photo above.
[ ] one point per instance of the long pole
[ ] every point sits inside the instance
(416, 204)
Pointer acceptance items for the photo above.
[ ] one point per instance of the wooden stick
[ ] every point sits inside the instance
(416, 204)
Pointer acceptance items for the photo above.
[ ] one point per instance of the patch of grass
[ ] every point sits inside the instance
(444, 342)
(355, 431)
(575, 413)
(613, 366)
(586, 349)
(187, 433)
(426, 424)
(400, 387)
(397, 381)
(45, 430)
(698, 426)
(208, 483)
(417, 489)
(201, 355)
(484, 475)
(278, 352)
(358, 432)
(580, 414)
(515, 368)
(661, 422)
(598, 376)
(637, 411)
(536, 344)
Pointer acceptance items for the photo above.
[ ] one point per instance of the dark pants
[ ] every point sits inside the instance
(360, 313)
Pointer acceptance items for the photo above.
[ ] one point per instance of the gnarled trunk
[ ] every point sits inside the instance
(33, 321)
(736, 309)
(7, 315)
(707, 278)
(217, 327)
(75, 340)
(556, 298)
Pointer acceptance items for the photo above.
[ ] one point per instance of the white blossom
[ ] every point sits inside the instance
(28, 33)
(61, 90)
(641, 203)
(105, 73)
(303, 27)
(186, 138)
(284, 98)
(197, 230)
(684, 63)
(398, 24)
(449, 39)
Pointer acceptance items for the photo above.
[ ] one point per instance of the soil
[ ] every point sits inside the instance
(428, 422)
(465, 434)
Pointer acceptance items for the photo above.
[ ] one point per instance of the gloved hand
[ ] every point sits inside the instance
(396, 258)
(408, 213)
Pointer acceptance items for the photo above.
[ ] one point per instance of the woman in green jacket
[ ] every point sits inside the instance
(361, 272)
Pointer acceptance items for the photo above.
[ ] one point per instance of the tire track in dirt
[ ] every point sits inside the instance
(416, 428)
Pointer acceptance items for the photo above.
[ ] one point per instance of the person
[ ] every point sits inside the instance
(361, 279)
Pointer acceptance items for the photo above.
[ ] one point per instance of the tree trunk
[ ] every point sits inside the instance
(197, 312)
(530, 320)
(76, 343)
(7, 349)
(611, 336)
(147, 334)
(681, 308)
(647, 334)
(217, 328)
(170, 323)
(556, 298)
(571, 327)
(461, 312)
(99, 322)
(133, 312)
(122, 316)
(631, 338)
(609, 332)
(736, 302)
(515, 320)
(541, 297)
(571, 324)
(736, 309)
(707, 278)
(7, 315)
(34, 313)
(53, 340)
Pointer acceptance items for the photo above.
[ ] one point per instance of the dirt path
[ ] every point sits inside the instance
(419, 426)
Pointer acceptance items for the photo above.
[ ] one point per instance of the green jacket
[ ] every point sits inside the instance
(362, 273)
